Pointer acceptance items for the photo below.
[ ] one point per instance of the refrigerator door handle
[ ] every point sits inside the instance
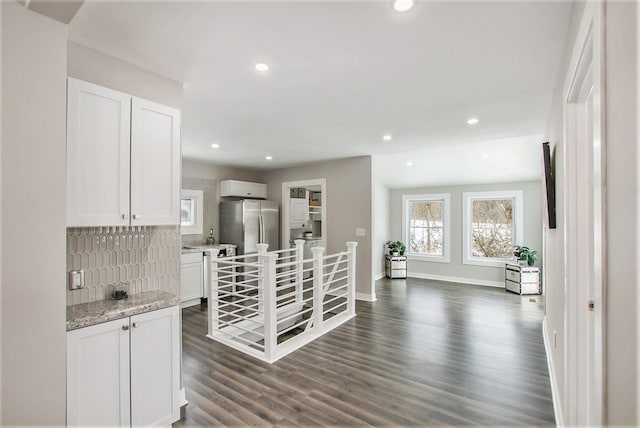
(261, 232)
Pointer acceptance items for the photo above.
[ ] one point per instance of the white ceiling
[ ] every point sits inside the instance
(343, 74)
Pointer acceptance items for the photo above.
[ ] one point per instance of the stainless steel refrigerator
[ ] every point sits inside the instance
(249, 222)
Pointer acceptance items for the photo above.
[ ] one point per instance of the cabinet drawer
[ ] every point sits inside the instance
(512, 275)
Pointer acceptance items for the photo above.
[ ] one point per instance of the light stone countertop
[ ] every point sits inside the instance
(87, 314)
(202, 248)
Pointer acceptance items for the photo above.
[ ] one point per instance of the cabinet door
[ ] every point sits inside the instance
(98, 375)
(98, 140)
(191, 281)
(155, 164)
(155, 367)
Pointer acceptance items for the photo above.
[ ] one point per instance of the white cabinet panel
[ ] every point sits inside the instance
(155, 163)
(98, 124)
(123, 159)
(299, 212)
(98, 375)
(125, 372)
(191, 278)
(155, 362)
(243, 189)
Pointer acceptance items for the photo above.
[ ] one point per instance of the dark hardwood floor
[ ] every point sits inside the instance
(426, 353)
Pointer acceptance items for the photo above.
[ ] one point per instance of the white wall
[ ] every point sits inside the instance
(349, 206)
(621, 146)
(621, 285)
(33, 218)
(206, 177)
(381, 224)
(455, 269)
(97, 67)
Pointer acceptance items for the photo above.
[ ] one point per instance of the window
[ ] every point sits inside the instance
(425, 226)
(492, 226)
(191, 209)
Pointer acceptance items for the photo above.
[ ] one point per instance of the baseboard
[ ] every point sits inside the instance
(182, 397)
(555, 391)
(461, 280)
(366, 297)
(379, 276)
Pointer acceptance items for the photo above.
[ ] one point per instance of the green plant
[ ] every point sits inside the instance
(525, 254)
(396, 246)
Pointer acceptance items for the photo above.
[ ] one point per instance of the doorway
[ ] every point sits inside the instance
(310, 220)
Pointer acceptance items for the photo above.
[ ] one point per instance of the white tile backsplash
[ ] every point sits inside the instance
(147, 257)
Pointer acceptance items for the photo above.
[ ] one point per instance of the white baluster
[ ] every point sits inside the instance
(213, 296)
(299, 267)
(318, 292)
(268, 263)
(351, 263)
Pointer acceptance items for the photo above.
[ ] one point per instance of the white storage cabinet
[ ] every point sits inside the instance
(125, 372)
(395, 266)
(299, 213)
(522, 279)
(123, 159)
(191, 279)
(243, 189)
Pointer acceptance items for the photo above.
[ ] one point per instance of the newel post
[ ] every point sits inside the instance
(318, 292)
(268, 264)
(213, 294)
(299, 267)
(262, 250)
(351, 302)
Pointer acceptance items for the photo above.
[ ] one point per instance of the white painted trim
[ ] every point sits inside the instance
(446, 219)
(462, 280)
(553, 378)
(379, 276)
(182, 397)
(518, 224)
(366, 297)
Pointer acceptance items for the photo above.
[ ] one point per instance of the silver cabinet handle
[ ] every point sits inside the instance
(136, 216)
(125, 327)
(136, 324)
(125, 216)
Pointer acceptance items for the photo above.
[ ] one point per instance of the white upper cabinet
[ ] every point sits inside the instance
(243, 189)
(155, 163)
(98, 144)
(123, 159)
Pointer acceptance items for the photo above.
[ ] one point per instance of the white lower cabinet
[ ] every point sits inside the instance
(191, 279)
(125, 372)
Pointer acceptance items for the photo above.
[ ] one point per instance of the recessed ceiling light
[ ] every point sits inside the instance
(261, 66)
(473, 121)
(386, 137)
(215, 146)
(268, 157)
(403, 5)
(409, 163)
(485, 156)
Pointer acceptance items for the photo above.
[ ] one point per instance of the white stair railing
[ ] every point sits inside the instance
(268, 304)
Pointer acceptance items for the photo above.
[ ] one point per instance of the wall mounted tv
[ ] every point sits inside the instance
(550, 182)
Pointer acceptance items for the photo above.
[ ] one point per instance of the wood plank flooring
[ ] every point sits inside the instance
(426, 353)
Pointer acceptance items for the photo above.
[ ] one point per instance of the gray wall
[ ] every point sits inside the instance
(206, 177)
(455, 268)
(97, 67)
(622, 306)
(349, 206)
(33, 217)
(381, 224)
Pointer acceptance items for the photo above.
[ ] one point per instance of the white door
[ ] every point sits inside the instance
(155, 367)
(155, 164)
(97, 155)
(98, 375)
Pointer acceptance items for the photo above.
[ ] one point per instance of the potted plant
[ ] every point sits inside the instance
(396, 248)
(525, 254)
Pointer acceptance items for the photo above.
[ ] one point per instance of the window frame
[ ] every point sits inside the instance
(446, 218)
(467, 219)
(197, 196)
